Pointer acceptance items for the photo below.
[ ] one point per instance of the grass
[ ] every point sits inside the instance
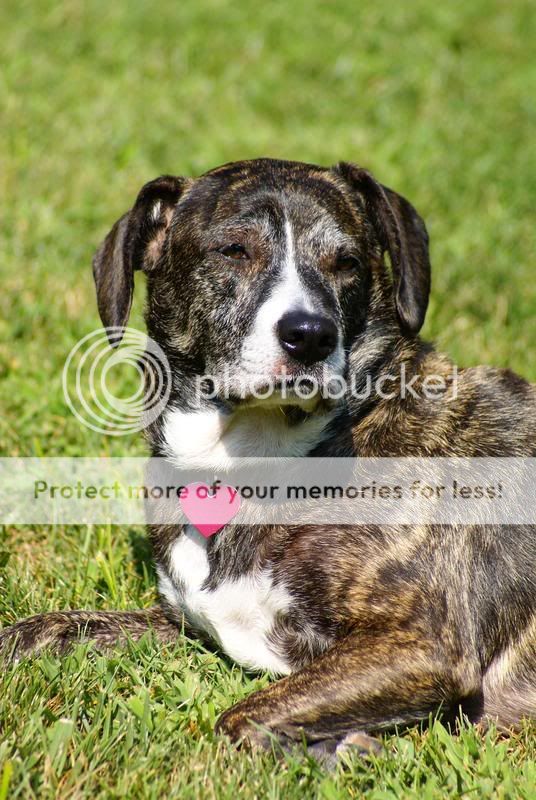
(98, 97)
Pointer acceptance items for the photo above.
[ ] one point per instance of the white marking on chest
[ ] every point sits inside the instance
(239, 614)
(212, 439)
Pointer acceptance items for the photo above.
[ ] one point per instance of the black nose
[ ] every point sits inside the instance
(307, 337)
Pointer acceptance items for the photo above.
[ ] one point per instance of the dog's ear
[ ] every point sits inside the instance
(135, 242)
(403, 235)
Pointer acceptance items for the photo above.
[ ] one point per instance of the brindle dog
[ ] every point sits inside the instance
(267, 264)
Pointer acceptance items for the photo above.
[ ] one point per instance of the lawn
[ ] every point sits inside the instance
(99, 97)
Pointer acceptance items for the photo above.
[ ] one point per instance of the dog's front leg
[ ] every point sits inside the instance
(365, 683)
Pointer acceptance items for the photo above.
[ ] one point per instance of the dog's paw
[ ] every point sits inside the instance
(245, 732)
(328, 752)
(242, 731)
(359, 743)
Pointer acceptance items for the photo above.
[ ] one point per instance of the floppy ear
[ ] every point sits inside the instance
(135, 242)
(403, 235)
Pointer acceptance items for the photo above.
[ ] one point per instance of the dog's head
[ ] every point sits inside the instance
(263, 273)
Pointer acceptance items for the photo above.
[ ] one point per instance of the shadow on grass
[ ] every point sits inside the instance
(142, 555)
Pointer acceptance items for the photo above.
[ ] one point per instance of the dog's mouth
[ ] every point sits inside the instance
(304, 392)
(282, 394)
(305, 389)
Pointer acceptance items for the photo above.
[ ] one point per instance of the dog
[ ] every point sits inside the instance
(262, 267)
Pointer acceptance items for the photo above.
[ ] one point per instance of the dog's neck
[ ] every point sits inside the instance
(209, 439)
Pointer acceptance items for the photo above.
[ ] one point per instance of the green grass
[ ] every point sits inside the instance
(99, 97)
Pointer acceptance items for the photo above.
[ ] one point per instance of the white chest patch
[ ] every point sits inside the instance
(239, 614)
(211, 439)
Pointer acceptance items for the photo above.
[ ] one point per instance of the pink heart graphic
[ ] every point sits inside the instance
(209, 512)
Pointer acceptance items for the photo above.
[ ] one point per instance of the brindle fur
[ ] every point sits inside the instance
(388, 624)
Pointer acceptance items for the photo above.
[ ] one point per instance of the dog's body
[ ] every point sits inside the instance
(262, 267)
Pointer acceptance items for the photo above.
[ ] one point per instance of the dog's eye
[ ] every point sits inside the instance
(234, 251)
(346, 264)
